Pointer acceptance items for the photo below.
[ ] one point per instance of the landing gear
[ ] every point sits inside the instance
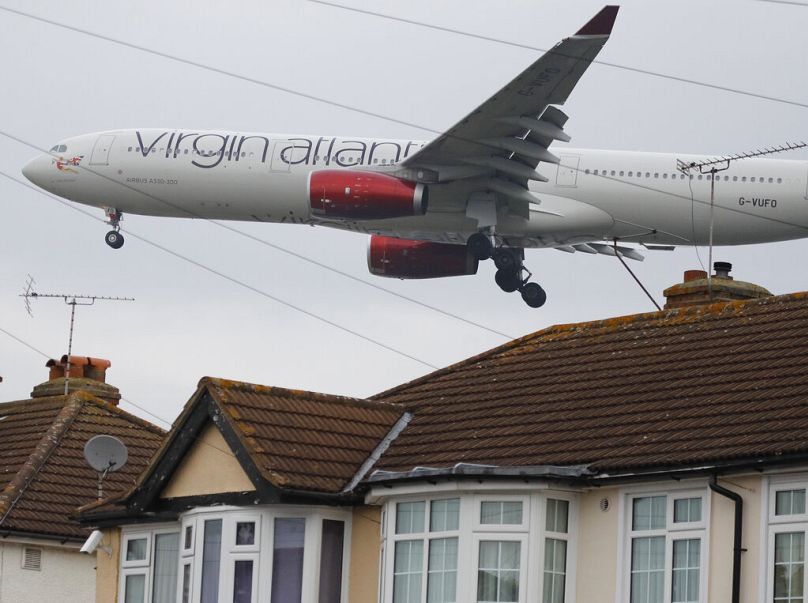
(480, 246)
(511, 273)
(533, 295)
(114, 238)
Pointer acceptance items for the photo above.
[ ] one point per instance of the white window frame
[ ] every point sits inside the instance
(489, 536)
(144, 567)
(672, 531)
(498, 527)
(531, 533)
(781, 524)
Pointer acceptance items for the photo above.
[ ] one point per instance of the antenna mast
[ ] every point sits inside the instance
(71, 300)
(720, 164)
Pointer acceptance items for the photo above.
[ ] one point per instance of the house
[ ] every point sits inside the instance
(44, 478)
(654, 458)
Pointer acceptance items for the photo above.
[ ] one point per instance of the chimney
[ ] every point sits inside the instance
(86, 374)
(694, 291)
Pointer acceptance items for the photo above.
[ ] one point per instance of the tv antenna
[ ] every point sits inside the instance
(71, 300)
(719, 164)
(105, 454)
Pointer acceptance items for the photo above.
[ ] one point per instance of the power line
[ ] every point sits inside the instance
(791, 2)
(230, 278)
(267, 243)
(596, 61)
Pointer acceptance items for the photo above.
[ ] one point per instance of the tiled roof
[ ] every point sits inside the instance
(43, 474)
(300, 439)
(674, 388)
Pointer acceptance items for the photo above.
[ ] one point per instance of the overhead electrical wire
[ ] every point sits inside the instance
(647, 72)
(227, 277)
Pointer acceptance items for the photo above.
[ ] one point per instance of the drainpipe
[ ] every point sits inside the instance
(737, 544)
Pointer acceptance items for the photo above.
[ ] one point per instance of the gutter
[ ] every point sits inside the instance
(737, 549)
(474, 470)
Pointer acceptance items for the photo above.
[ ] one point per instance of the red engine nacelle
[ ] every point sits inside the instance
(357, 195)
(403, 258)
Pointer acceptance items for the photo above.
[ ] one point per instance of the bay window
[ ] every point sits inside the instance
(219, 554)
(443, 549)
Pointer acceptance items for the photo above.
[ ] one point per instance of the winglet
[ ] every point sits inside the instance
(601, 24)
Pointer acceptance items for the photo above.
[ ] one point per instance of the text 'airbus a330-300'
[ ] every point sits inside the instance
(436, 209)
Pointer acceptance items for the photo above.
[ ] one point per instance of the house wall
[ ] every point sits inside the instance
(67, 576)
(107, 564)
(598, 536)
(722, 530)
(363, 577)
(209, 467)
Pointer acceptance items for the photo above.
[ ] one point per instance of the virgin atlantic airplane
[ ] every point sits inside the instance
(435, 209)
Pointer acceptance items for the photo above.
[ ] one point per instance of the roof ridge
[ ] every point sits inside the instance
(628, 319)
(273, 389)
(43, 450)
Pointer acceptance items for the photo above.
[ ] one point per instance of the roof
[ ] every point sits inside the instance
(301, 439)
(43, 474)
(293, 445)
(666, 389)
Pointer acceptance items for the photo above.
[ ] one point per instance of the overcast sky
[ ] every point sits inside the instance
(187, 322)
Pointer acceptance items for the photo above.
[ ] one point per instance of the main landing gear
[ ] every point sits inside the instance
(511, 273)
(114, 238)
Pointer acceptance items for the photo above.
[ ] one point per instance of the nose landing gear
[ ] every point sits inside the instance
(114, 238)
(511, 273)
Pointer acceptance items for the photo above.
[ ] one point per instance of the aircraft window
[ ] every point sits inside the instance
(664, 175)
(243, 153)
(612, 172)
(630, 174)
(735, 178)
(586, 171)
(129, 150)
(761, 179)
(55, 148)
(376, 160)
(752, 179)
(62, 148)
(621, 172)
(743, 179)
(656, 174)
(701, 177)
(771, 180)
(186, 151)
(647, 174)
(726, 178)
(596, 172)
(779, 181)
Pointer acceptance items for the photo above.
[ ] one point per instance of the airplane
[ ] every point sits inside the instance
(436, 209)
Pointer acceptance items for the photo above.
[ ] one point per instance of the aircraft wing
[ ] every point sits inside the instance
(505, 138)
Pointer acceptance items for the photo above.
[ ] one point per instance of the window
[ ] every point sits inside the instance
(149, 563)
(287, 560)
(501, 513)
(425, 561)
(498, 571)
(555, 551)
(665, 560)
(788, 523)
(211, 560)
(331, 553)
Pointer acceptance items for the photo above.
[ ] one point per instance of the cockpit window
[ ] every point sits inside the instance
(59, 148)
(62, 148)
(55, 149)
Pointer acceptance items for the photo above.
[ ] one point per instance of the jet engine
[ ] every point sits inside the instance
(358, 195)
(404, 258)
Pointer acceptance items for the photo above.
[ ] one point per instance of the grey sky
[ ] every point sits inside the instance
(187, 323)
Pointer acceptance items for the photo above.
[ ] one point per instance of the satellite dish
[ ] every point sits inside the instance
(105, 453)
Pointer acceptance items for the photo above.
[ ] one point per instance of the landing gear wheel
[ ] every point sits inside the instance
(114, 239)
(480, 246)
(508, 280)
(505, 259)
(533, 295)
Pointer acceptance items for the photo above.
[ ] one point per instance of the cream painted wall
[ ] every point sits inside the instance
(598, 539)
(107, 564)
(67, 576)
(722, 528)
(209, 467)
(366, 541)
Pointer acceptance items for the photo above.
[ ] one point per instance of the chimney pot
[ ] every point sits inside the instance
(694, 275)
(722, 269)
(86, 373)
